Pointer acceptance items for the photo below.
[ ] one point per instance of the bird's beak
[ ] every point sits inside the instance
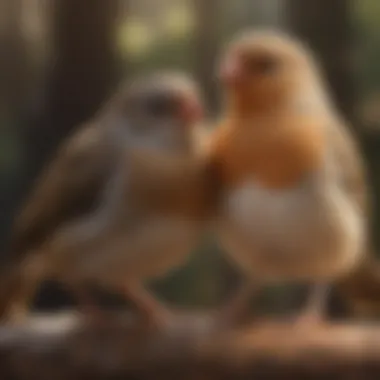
(230, 71)
(191, 110)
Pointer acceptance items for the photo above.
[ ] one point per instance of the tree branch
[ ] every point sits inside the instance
(61, 347)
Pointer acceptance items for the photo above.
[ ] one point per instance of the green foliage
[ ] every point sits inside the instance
(366, 14)
(174, 52)
(168, 42)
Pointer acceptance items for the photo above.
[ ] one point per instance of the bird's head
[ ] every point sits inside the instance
(158, 111)
(263, 70)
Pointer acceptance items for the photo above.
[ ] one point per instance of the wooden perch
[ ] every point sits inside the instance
(60, 347)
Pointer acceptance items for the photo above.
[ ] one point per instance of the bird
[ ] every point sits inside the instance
(123, 201)
(294, 202)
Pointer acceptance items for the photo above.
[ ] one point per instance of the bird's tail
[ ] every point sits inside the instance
(360, 291)
(15, 290)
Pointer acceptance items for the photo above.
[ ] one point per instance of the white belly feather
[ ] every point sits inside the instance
(305, 231)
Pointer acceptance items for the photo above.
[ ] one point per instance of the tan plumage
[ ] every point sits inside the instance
(124, 199)
(295, 200)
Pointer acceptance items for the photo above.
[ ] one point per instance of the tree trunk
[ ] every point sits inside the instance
(83, 72)
(16, 77)
(206, 46)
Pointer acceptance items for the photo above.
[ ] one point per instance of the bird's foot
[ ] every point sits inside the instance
(313, 315)
(17, 315)
(309, 319)
(236, 311)
(152, 313)
(157, 320)
(94, 318)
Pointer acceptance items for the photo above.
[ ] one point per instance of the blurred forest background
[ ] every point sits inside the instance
(60, 59)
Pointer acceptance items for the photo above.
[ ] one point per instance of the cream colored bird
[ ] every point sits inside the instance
(123, 201)
(294, 198)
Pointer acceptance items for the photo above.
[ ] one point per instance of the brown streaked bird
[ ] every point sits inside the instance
(123, 201)
(294, 197)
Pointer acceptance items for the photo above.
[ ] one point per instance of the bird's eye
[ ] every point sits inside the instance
(160, 105)
(264, 65)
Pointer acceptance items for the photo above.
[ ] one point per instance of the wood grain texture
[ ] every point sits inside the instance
(59, 347)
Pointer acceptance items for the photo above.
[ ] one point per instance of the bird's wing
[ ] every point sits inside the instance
(69, 188)
(350, 165)
(361, 288)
